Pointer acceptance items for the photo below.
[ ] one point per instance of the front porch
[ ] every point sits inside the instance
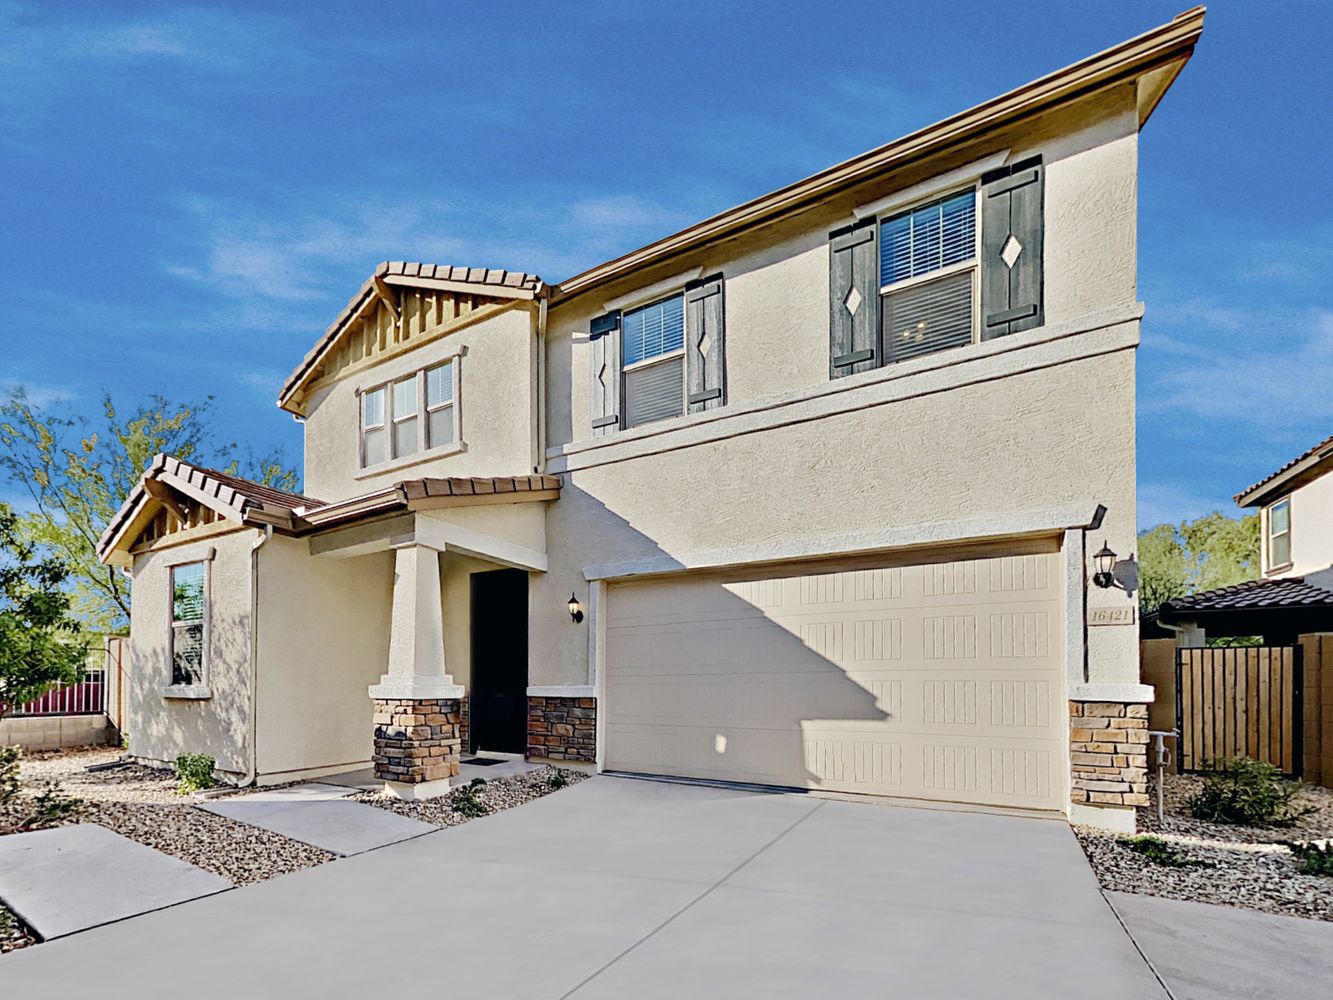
(455, 679)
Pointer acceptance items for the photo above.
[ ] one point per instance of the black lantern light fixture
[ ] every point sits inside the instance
(575, 609)
(1104, 560)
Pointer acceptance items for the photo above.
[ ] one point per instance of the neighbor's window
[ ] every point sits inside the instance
(928, 266)
(654, 361)
(1279, 534)
(187, 623)
(409, 415)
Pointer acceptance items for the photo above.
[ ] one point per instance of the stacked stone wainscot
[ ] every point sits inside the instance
(1108, 744)
(562, 728)
(417, 740)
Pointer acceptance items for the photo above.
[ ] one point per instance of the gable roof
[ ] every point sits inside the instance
(249, 503)
(1302, 469)
(488, 283)
(234, 498)
(1272, 607)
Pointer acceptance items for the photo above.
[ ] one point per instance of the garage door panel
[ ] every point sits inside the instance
(938, 679)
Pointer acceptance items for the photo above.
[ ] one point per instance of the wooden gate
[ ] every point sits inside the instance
(1239, 701)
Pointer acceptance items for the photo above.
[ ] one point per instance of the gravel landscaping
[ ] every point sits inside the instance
(142, 803)
(13, 933)
(495, 795)
(1241, 866)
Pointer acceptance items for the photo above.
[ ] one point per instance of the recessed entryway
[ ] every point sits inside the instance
(499, 689)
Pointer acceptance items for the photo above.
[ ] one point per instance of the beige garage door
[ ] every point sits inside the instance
(930, 679)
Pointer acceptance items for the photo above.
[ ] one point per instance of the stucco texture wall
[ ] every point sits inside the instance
(323, 640)
(495, 400)
(1311, 529)
(160, 729)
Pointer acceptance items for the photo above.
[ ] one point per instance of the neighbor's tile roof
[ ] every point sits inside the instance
(1321, 446)
(1253, 595)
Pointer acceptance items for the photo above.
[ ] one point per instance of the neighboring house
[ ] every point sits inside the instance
(799, 495)
(1294, 592)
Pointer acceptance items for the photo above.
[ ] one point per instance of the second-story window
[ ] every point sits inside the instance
(414, 414)
(1279, 534)
(928, 266)
(654, 361)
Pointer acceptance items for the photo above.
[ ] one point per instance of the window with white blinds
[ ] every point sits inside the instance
(416, 413)
(654, 361)
(928, 266)
(187, 623)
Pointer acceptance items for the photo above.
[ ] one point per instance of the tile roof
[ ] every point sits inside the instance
(1323, 445)
(1253, 595)
(513, 284)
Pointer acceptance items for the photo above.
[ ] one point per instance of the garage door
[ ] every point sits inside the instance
(935, 679)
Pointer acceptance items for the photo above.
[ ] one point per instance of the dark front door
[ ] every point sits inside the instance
(499, 661)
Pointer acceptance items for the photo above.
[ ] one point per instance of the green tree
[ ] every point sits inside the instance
(78, 472)
(40, 644)
(1211, 551)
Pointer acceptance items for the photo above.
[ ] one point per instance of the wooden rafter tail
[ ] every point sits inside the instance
(385, 295)
(163, 495)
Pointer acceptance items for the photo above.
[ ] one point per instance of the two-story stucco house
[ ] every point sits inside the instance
(804, 495)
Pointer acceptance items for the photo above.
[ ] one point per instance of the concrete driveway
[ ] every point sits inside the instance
(621, 888)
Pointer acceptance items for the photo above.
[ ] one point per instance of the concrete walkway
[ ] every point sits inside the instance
(72, 878)
(621, 888)
(1208, 952)
(317, 814)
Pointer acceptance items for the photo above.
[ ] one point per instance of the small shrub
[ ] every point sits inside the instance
(1247, 792)
(1313, 859)
(464, 800)
(195, 771)
(1158, 851)
(9, 774)
(557, 780)
(51, 807)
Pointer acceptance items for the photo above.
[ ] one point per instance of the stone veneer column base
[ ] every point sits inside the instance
(417, 744)
(562, 728)
(1108, 755)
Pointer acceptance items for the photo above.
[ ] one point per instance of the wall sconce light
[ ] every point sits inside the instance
(575, 609)
(1104, 560)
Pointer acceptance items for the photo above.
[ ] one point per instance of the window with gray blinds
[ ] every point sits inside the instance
(654, 389)
(655, 392)
(929, 317)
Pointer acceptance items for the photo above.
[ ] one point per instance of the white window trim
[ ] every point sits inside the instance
(932, 188)
(200, 688)
(452, 404)
(973, 264)
(423, 452)
(1272, 567)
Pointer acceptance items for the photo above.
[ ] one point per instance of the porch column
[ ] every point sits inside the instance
(417, 704)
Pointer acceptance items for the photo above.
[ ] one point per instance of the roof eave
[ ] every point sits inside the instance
(1305, 471)
(1166, 48)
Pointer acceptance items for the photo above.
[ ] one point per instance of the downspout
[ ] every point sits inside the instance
(539, 424)
(254, 655)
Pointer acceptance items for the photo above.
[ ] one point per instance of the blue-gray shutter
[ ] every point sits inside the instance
(705, 345)
(854, 299)
(1011, 280)
(604, 389)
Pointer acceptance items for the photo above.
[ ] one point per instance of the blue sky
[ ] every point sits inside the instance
(191, 193)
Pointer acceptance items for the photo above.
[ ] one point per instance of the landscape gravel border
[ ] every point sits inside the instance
(496, 795)
(1246, 867)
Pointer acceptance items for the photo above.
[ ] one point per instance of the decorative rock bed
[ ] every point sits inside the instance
(495, 795)
(1229, 865)
(13, 933)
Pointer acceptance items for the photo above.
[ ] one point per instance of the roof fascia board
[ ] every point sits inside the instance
(1162, 46)
(461, 287)
(1303, 472)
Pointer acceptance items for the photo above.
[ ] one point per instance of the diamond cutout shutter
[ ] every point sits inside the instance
(705, 345)
(854, 299)
(1011, 248)
(604, 388)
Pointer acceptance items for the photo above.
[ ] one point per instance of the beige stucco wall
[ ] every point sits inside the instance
(159, 728)
(966, 443)
(1311, 529)
(495, 400)
(323, 640)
